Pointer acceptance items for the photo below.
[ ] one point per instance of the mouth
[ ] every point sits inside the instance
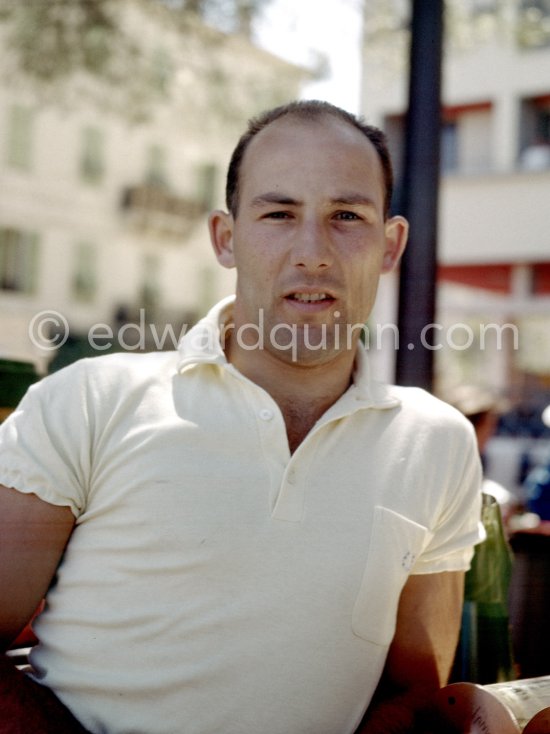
(310, 297)
(310, 302)
(319, 298)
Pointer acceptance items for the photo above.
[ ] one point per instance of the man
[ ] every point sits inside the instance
(249, 535)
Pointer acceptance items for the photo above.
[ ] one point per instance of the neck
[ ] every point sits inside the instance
(303, 392)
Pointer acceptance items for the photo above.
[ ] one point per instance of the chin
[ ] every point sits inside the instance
(305, 355)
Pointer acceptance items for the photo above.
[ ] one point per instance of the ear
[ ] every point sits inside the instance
(220, 226)
(397, 231)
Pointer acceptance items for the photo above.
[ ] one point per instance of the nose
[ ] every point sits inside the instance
(311, 249)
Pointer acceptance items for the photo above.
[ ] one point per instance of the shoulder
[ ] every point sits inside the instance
(103, 378)
(421, 419)
(416, 403)
(113, 368)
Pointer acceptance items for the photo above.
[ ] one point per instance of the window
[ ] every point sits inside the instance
(466, 138)
(535, 133)
(92, 163)
(206, 185)
(155, 167)
(149, 292)
(18, 260)
(84, 283)
(162, 69)
(534, 23)
(543, 124)
(19, 139)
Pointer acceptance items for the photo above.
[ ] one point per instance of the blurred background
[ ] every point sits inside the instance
(117, 119)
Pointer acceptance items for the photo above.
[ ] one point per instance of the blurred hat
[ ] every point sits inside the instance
(473, 399)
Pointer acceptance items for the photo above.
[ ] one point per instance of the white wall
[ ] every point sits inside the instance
(198, 125)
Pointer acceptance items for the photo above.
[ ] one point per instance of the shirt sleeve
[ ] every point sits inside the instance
(45, 442)
(458, 528)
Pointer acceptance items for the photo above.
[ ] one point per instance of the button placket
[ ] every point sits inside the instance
(291, 501)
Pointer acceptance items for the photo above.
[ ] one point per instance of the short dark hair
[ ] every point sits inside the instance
(306, 110)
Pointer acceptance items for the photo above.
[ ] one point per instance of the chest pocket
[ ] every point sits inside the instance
(395, 543)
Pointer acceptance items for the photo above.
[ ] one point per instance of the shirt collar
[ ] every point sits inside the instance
(203, 345)
(371, 393)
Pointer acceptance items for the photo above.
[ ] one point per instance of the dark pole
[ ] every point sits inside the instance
(414, 364)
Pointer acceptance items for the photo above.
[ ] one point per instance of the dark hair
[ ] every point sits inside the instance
(305, 110)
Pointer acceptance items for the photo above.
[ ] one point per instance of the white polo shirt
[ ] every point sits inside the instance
(215, 584)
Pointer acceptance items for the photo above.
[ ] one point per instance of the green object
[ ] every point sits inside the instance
(484, 653)
(15, 378)
(488, 580)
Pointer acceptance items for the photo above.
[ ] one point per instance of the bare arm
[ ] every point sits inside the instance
(33, 536)
(421, 653)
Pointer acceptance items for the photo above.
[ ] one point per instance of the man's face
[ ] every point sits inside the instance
(309, 241)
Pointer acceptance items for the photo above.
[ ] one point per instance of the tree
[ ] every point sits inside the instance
(231, 16)
(51, 42)
(52, 39)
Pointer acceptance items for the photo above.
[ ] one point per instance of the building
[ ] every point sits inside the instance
(494, 229)
(106, 184)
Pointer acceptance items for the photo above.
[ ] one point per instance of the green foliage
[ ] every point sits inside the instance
(52, 43)
(230, 16)
(54, 38)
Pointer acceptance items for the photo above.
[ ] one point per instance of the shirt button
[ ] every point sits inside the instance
(266, 414)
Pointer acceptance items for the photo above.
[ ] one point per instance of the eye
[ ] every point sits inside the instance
(347, 216)
(276, 215)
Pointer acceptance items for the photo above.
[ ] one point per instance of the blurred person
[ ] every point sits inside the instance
(537, 482)
(248, 534)
(484, 654)
(482, 408)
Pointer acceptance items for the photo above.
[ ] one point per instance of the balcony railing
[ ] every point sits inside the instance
(154, 210)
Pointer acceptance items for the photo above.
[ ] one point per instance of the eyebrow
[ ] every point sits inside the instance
(354, 199)
(273, 197)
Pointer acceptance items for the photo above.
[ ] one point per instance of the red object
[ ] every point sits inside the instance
(27, 638)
